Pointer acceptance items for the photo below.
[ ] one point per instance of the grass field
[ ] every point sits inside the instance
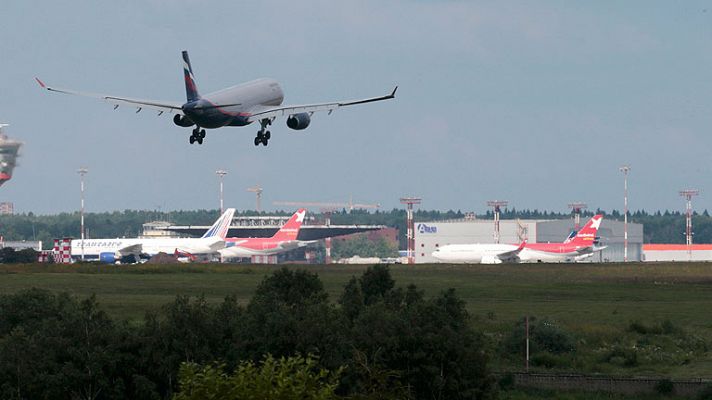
(596, 303)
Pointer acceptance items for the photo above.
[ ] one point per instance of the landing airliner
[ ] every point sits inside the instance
(113, 250)
(259, 101)
(575, 248)
(285, 239)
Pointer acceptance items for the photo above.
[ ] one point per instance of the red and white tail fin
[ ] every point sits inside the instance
(290, 230)
(587, 234)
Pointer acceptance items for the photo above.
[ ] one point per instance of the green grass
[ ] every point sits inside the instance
(596, 303)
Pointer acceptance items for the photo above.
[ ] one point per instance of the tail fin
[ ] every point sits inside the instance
(587, 234)
(221, 226)
(191, 89)
(290, 230)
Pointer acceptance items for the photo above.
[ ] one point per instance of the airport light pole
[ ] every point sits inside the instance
(689, 194)
(82, 171)
(221, 173)
(497, 207)
(625, 169)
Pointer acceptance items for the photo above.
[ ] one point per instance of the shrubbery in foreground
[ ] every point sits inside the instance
(379, 342)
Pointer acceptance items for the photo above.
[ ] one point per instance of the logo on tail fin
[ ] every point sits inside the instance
(221, 226)
(191, 89)
(587, 234)
(290, 230)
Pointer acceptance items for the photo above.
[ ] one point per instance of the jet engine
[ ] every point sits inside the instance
(182, 120)
(108, 257)
(298, 121)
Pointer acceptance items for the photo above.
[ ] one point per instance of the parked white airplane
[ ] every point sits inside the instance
(575, 248)
(113, 250)
(259, 101)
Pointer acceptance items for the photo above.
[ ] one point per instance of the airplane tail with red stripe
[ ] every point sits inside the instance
(588, 234)
(290, 230)
(191, 89)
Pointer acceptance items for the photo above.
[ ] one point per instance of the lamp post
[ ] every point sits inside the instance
(82, 171)
(625, 169)
(221, 173)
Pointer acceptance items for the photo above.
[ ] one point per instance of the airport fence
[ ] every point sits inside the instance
(609, 384)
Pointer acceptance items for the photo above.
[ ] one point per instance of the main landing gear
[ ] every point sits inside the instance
(197, 136)
(263, 134)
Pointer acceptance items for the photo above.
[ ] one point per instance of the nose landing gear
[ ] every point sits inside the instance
(197, 136)
(263, 135)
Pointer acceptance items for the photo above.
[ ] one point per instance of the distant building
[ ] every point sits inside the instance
(22, 244)
(7, 208)
(677, 252)
(431, 235)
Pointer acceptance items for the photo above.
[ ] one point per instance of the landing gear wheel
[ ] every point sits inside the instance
(268, 135)
(264, 141)
(202, 135)
(258, 141)
(199, 140)
(192, 139)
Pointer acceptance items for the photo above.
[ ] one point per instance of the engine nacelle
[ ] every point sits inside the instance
(108, 258)
(183, 120)
(298, 121)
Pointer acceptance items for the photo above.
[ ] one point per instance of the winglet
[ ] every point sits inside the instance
(42, 85)
(393, 94)
(521, 246)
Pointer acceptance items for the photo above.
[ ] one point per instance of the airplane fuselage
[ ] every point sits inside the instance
(243, 99)
(94, 248)
(487, 253)
(257, 247)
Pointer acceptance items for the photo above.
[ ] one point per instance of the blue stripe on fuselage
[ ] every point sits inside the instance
(206, 115)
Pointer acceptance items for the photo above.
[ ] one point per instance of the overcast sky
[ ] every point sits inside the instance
(537, 103)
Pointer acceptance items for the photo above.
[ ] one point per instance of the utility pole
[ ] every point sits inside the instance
(497, 206)
(82, 171)
(257, 190)
(625, 169)
(221, 173)
(689, 194)
(576, 208)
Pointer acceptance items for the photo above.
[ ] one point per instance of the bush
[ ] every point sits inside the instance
(706, 393)
(506, 381)
(546, 360)
(665, 387)
(286, 378)
(622, 357)
(544, 335)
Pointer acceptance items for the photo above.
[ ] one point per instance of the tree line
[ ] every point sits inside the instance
(377, 341)
(659, 227)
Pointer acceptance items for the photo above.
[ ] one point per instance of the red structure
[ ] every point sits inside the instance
(410, 233)
(497, 206)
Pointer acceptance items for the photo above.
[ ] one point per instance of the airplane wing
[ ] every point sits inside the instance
(134, 249)
(512, 256)
(160, 106)
(273, 112)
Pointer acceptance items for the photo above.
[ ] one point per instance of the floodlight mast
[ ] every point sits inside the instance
(221, 174)
(497, 207)
(625, 169)
(257, 190)
(410, 232)
(82, 171)
(689, 194)
(576, 208)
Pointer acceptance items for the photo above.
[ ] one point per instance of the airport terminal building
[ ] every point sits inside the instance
(431, 235)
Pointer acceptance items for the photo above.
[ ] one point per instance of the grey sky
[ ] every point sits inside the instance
(534, 102)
